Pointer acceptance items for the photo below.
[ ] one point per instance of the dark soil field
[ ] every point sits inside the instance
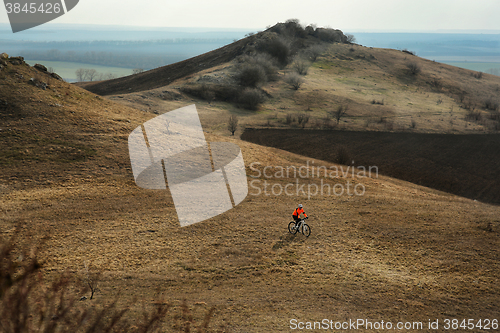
(466, 165)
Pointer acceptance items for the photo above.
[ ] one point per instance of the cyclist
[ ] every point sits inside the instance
(296, 213)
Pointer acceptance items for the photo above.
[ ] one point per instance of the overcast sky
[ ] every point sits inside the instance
(347, 15)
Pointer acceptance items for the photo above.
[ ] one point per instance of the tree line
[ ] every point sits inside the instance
(127, 60)
(90, 74)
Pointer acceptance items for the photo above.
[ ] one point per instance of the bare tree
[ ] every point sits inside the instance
(80, 74)
(232, 125)
(314, 51)
(340, 112)
(305, 120)
(413, 67)
(90, 74)
(90, 279)
(294, 80)
(300, 118)
(301, 65)
(350, 38)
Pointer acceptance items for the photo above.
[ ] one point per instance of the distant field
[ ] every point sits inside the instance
(67, 69)
(475, 66)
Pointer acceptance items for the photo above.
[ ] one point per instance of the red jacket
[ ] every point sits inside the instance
(299, 211)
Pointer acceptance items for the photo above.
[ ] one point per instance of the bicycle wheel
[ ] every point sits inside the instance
(291, 228)
(306, 230)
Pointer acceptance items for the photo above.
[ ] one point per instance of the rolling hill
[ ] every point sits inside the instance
(384, 93)
(392, 251)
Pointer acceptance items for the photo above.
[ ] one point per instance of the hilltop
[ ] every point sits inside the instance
(399, 252)
(165, 75)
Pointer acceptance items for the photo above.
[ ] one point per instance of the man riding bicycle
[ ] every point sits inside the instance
(296, 213)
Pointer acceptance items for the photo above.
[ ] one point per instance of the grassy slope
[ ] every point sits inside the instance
(400, 252)
(353, 76)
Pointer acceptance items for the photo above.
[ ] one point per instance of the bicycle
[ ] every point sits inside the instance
(293, 227)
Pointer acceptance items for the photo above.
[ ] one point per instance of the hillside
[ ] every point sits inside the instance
(381, 89)
(399, 252)
(385, 107)
(163, 76)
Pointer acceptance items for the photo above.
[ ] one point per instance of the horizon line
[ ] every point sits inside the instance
(51, 26)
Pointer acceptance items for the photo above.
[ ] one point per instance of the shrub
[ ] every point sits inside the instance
(477, 75)
(251, 75)
(206, 92)
(328, 123)
(263, 60)
(209, 92)
(409, 52)
(232, 124)
(330, 35)
(343, 156)
(374, 101)
(461, 95)
(305, 120)
(491, 104)
(300, 118)
(469, 104)
(350, 38)
(225, 92)
(413, 67)
(473, 116)
(314, 51)
(250, 98)
(300, 65)
(293, 28)
(203, 91)
(436, 83)
(267, 63)
(495, 116)
(277, 47)
(294, 80)
(339, 113)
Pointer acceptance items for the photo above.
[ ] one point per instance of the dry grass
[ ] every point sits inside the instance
(399, 252)
(374, 83)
